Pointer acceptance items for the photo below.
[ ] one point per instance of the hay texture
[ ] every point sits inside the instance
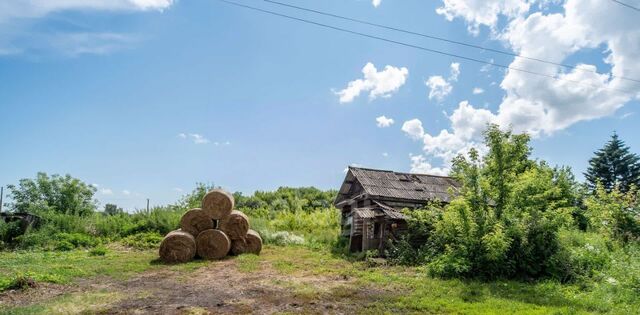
(212, 244)
(195, 221)
(250, 244)
(218, 204)
(235, 225)
(177, 247)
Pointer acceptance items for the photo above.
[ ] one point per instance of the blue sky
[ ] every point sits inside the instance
(144, 98)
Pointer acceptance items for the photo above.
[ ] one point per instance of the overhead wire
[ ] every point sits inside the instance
(435, 51)
(626, 5)
(443, 39)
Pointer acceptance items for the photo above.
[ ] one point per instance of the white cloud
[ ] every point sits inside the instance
(535, 104)
(95, 185)
(178, 189)
(420, 165)
(482, 12)
(195, 137)
(467, 126)
(440, 87)
(413, 128)
(20, 32)
(198, 138)
(384, 122)
(106, 191)
(39, 8)
(478, 90)
(455, 71)
(385, 154)
(126, 192)
(379, 83)
(376, 3)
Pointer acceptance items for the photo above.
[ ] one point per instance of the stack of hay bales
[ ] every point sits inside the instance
(211, 232)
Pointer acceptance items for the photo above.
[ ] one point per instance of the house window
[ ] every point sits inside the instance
(376, 230)
(371, 230)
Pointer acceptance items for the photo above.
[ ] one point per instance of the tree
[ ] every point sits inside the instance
(614, 166)
(508, 213)
(111, 209)
(61, 194)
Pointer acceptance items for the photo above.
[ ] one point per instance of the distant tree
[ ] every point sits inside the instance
(614, 166)
(111, 209)
(61, 194)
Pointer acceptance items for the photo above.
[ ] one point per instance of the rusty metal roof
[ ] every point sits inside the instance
(396, 185)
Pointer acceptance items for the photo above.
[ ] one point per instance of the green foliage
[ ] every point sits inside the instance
(504, 222)
(111, 209)
(98, 251)
(146, 240)
(59, 194)
(418, 246)
(314, 228)
(614, 166)
(9, 232)
(305, 199)
(614, 214)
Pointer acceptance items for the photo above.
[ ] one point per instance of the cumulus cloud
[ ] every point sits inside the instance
(439, 87)
(534, 104)
(478, 90)
(420, 165)
(467, 126)
(376, 3)
(126, 192)
(413, 128)
(106, 191)
(482, 12)
(384, 122)
(378, 83)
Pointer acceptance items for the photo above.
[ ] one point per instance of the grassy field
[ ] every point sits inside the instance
(313, 281)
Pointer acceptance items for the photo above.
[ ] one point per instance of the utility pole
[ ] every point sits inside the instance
(1, 193)
(147, 205)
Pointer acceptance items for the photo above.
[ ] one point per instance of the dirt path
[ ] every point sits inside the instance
(219, 288)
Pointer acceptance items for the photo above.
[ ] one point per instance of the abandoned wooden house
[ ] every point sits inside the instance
(371, 202)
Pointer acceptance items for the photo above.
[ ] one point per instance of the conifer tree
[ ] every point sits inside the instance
(614, 165)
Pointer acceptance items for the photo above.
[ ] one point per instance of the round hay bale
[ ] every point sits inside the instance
(235, 225)
(177, 247)
(250, 244)
(218, 204)
(195, 221)
(212, 244)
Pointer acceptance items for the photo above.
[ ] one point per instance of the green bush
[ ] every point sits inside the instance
(147, 240)
(98, 251)
(76, 240)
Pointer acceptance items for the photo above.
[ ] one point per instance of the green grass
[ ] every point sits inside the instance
(64, 267)
(411, 289)
(386, 289)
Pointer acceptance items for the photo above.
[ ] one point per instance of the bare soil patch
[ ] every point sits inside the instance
(218, 288)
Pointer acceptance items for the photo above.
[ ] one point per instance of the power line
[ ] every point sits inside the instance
(443, 39)
(417, 47)
(626, 5)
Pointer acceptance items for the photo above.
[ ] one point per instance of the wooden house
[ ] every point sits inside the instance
(371, 202)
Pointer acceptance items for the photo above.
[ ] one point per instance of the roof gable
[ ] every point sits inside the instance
(396, 185)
